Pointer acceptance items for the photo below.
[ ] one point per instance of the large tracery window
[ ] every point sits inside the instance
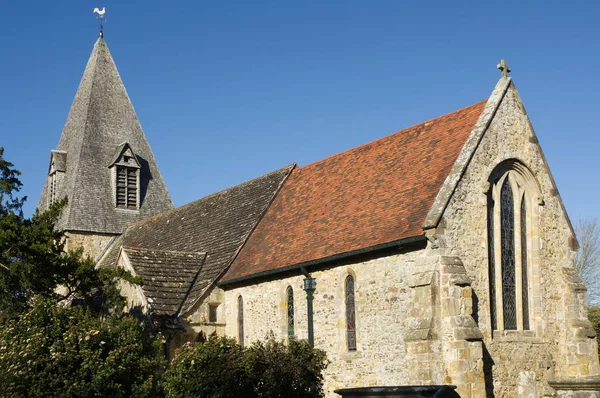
(512, 214)
(350, 314)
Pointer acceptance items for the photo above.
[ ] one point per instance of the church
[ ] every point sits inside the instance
(440, 254)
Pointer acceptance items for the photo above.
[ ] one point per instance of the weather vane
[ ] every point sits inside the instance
(503, 68)
(100, 16)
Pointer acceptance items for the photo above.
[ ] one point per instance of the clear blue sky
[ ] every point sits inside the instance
(229, 90)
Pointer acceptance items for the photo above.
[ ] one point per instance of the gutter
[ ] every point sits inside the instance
(401, 242)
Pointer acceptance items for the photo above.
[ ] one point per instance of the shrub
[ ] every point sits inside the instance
(280, 371)
(58, 351)
(214, 368)
(222, 368)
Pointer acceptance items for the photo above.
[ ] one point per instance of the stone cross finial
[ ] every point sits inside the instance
(503, 68)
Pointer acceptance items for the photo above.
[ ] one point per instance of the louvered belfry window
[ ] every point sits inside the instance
(127, 187)
(511, 219)
(350, 314)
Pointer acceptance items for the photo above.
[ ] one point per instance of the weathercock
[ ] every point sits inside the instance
(100, 11)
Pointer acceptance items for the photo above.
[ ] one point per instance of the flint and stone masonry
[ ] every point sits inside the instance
(423, 316)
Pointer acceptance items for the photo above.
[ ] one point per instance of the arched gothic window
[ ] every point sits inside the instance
(290, 311)
(241, 320)
(350, 314)
(512, 214)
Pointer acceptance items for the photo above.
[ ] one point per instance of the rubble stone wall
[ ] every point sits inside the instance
(383, 302)
(560, 344)
(93, 243)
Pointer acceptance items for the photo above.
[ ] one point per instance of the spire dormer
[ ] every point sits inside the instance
(125, 177)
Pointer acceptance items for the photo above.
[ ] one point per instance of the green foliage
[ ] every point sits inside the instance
(58, 351)
(222, 368)
(594, 317)
(32, 257)
(211, 369)
(279, 370)
(48, 348)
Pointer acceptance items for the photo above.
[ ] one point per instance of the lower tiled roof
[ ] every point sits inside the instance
(168, 276)
(217, 224)
(374, 194)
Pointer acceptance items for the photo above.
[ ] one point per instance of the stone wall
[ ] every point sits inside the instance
(423, 316)
(93, 243)
(383, 298)
(561, 343)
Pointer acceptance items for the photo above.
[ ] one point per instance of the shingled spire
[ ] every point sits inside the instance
(103, 163)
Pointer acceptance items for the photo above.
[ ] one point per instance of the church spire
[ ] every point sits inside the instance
(103, 163)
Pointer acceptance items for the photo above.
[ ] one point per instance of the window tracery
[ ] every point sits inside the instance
(512, 245)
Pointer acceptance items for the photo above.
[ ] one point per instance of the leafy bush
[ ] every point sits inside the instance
(280, 370)
(58, 351)
(222, 368)
(211, 369)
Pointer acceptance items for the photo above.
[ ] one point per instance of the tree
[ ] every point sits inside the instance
(33, 260)
(49, 348)
(59, 351)
(214, 368)
(222, 368)
(281, 370)
(587, 262)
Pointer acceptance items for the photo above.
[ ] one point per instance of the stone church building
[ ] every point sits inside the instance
(440, 254)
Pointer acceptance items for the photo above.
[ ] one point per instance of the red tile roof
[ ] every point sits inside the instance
(376, 193)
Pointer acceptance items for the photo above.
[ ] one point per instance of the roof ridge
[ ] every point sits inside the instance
(223, 191)
(367, 144)
(139, 249)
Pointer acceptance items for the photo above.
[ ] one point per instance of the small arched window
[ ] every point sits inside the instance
(241, 320)
(511, 217)
(290, 312)
(350, 314)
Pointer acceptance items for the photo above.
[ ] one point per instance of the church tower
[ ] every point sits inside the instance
(103, 163)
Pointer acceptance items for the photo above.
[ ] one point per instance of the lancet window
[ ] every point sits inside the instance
(350, 314)
(512, 245)
(290, 311)
(241, 320)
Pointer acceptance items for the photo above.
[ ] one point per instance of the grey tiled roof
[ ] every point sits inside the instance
(218, 224)
(168, 276)
(101, 118)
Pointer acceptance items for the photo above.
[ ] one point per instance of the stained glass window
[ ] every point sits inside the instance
(507, 231)
(492, 262)
(524, 264)
(241, 320)
(290, 311)
(350, 314)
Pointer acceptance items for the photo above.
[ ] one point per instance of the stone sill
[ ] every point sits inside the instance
(130, 211)
(351, 355)
(208, 324)
(525, 336)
